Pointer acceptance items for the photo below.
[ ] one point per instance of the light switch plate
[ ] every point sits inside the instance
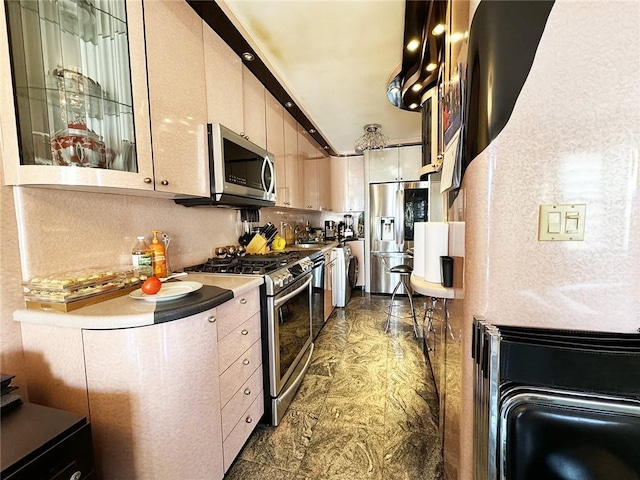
(572, 219)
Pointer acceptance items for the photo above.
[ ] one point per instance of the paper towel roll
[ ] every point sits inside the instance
(436, 244)
(418, 248)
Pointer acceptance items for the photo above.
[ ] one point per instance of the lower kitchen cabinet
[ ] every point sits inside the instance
(443, 344)
(240, 370)
(329, 265)
(171, 400)
(153, 393)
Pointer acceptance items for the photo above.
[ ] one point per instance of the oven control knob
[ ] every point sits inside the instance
(278, 281)
(289, 278)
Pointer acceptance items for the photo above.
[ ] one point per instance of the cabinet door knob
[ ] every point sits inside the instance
(243, 301)
(248, 419)
(212, 319)
(245, 361)
(247, 391)
(245, 332)
(147, 180)
(164, 182)
(76, 475)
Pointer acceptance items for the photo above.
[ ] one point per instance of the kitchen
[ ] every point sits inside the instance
(569, 285)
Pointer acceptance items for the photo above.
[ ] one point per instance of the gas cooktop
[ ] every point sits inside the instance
(247, 264)
(280, 270)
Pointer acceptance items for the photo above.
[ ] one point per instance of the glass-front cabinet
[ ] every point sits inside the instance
(77, 113)
(71, 70)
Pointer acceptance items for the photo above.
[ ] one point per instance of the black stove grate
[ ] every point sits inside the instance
(247, 265)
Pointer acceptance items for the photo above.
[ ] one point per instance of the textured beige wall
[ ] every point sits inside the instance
(11, 356)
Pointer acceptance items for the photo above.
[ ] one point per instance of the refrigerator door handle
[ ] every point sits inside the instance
(400, 218)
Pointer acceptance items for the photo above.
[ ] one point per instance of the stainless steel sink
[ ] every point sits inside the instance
(310, 244)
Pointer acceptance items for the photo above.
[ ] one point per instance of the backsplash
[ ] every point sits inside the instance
(62, 230)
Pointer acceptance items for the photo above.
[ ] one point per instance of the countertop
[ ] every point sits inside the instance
(430, 289)
(126, 312)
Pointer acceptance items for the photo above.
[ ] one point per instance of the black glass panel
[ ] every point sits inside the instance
(294, 328)
(243, 167)
(416, 208)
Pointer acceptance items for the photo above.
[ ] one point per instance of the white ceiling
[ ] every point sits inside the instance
(335, 58)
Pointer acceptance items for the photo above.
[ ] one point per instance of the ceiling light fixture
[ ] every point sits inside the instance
(248, 56)
(372, 138)
(413, 106)
(431, 67)
(288, 104)
(312, 131)
(416, 87)
(413, 45)
(438, 29)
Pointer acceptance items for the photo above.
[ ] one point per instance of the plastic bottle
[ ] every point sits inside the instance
(141, 257)
(158, 255)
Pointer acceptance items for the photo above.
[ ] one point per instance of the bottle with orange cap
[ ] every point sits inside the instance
(158, 255)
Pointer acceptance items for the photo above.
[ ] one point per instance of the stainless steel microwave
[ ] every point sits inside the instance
(242, 173)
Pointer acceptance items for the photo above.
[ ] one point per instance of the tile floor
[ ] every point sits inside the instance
(366, 409)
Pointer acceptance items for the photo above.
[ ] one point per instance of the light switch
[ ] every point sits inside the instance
(571, 221)
(554, 222)
(561, 222)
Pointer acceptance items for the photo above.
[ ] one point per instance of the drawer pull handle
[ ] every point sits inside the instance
(76, 475)
(212, 319)
(248, 419)
(147, 180)
(245, 361)
(164, 182)
(247, 391)
(245, 332)
(243, 301)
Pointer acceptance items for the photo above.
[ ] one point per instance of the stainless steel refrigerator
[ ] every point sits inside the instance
(393, 210)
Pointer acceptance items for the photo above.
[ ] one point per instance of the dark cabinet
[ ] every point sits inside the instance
(42, 443)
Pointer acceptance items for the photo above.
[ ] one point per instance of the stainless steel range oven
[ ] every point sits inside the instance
(286, 298)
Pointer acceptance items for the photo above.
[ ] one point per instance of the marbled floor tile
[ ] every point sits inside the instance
(283, 446)
(360, 380)
(245, 470)
(325, 361)
(413, 456)
(408, 409)
(367, 407)
(343, 453)
(340, 413)
(312, 394)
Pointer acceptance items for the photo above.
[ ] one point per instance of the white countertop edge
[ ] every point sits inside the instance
(77, 319)
(125, 312)
(430, 289)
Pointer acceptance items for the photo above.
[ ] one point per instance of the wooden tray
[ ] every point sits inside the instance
(83, 302)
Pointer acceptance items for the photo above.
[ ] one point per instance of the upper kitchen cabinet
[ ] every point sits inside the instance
(223, 71)
(254, 109)
(177, 94)
(79, 94)
(347, 183)
(315, 173)
(397, 164)
(275, 145)
(291, 188)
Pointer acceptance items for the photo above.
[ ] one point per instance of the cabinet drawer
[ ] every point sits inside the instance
(243, 398)
(239, 435)
(239, 372)
(238, 341)
(237, 310)
(73, 454)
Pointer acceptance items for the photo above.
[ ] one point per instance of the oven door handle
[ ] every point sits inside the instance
(288, 296)
(294, 385)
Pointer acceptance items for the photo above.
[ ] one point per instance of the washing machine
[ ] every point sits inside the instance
(341, 279)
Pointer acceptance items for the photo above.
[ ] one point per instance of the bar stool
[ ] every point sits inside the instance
(405, 272)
